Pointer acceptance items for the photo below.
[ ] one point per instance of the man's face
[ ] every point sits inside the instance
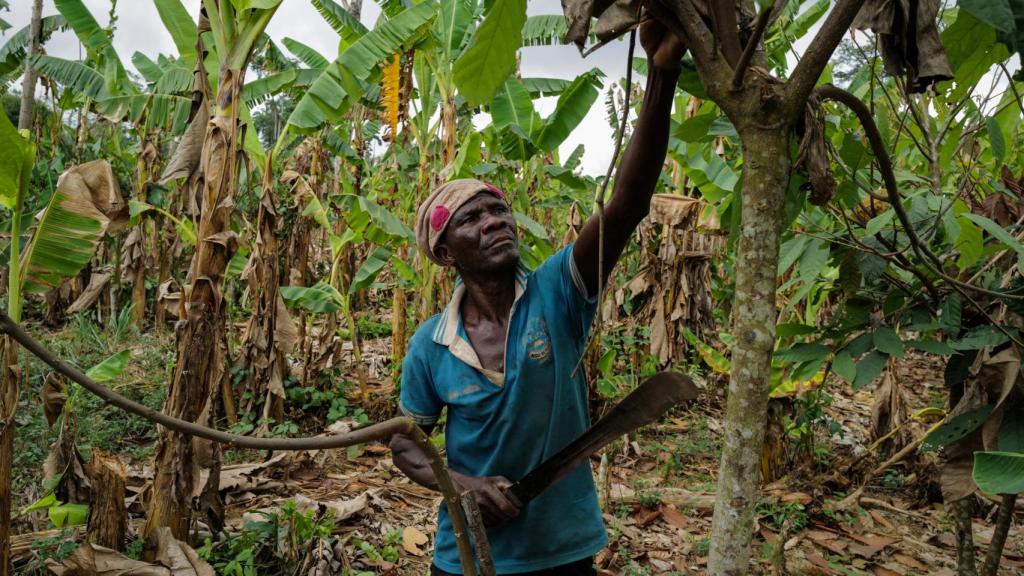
(481, 237)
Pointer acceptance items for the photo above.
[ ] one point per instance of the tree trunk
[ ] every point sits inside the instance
(108, 517)
(765, 180)
(194, 392)
(28, 83)
(9, 372)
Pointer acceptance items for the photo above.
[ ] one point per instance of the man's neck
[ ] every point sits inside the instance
(489, 297)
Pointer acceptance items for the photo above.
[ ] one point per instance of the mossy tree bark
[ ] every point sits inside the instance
(764, 110)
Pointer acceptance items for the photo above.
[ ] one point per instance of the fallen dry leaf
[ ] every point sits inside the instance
(412, 539)
(798, 497)
(909, 561)
(675, 518)
(883, 571)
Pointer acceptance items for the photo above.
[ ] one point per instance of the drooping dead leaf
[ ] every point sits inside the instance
(97, 282)
(178, 557)
(412, 539)
(54, 396)
(185, 160)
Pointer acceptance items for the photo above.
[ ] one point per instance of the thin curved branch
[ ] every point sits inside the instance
(829, 92)
(816, 57)
(740, 70)
(377, 431)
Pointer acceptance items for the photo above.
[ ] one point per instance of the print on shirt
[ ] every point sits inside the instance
(538, 342)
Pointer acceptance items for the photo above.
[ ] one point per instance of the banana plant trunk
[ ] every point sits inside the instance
(8, 405)
(765, 181)
(193, 394)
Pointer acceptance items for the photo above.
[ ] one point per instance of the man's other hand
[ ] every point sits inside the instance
(495, 506)
(664, 49)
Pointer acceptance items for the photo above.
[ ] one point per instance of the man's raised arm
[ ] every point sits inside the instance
(642, 160)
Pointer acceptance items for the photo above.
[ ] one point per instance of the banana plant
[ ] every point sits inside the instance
(63, 242)
(236, 27)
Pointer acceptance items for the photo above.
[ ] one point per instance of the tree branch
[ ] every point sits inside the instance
(1003, 522)
(682, 18)
(760, 26)
(378, 431)
(809, 69)
(723, 12)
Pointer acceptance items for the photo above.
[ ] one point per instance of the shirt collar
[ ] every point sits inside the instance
(447, 329)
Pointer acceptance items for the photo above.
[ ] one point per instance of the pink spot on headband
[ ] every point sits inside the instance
(494, 190)
(438, 217)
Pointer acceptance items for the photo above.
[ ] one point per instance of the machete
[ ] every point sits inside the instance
(652, 398)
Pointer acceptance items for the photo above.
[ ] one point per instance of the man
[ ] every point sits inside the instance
(501, 357)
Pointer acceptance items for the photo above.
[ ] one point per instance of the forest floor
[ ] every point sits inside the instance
(657, 487)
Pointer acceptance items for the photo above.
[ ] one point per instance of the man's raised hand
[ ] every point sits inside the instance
(664, 49)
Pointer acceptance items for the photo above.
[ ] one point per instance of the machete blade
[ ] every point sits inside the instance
(652, 398)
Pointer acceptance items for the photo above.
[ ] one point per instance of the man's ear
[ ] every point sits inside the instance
(444, 254)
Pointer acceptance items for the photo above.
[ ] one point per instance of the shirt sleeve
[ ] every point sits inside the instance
(418, 398)
(560, 274)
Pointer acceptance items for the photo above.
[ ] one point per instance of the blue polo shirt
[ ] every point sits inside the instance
(505, 424)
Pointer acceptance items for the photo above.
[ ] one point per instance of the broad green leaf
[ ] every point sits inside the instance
(957, 428)
(66, 515)
(995, 13)
(383, 218)
(970, 243)
(713, 358)
(41, 504)
(468, 156)
(813, 260)
(488, 61)
(999, 233)
(315, 210)
(531, 225)
(308, 55)
(453, 21)
(72, 74)
(607, 362)
(254, 4)
(256, 92)
(111, 368)
(341, 20)
(16, 157)
(950, 315)
(84, 24)
(368, 272)
(538, 87)
(150, 70)
(844, 367)
(70, 229)
(544, 30)
(878, 223)
(803, 352)
(344, 81)
(931, 347)
(792, 329)
(513, 105)
(999, 472)
(181, 26)
(1011, 430)
(980, 337)
(15, 49)
(995, 139)
(573, 105)
(886, 340)
(869, 368)
(320, 298)
(696, 129)
(791, 251)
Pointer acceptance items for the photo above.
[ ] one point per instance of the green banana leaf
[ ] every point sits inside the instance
(307, 55)
(17, 155)
(538, 87)
(344, 80)
(341, 20)
(111, 368)
(181, 26)
(453, 22)
(72, 74)
(544, 30)
(70, 229)
(95, 39)
(14, 51)
(999, 472)
(483, 67)
(573, 105)
(513, 105)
